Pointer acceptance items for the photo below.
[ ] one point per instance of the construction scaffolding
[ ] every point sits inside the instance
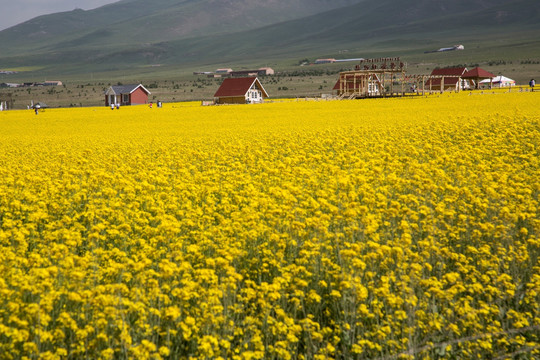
(385, 77)
(361, 84)
(372, 78)
(370, 83)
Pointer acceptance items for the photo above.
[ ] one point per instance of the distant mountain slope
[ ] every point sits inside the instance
(142, 21)
(371, 21)
(368, 23)
(385, 25)
(217, 31)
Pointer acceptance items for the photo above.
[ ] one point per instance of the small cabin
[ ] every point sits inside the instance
(224, 71)
(248, 90)
(264, 71)
(126, 95)
(476, 75)
(52, 83)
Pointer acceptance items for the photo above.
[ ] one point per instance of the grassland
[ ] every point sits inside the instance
(292, 81)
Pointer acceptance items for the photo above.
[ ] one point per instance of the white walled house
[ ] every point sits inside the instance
(247, 90)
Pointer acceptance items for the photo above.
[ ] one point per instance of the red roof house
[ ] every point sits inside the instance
(126, 95)
(477, 74)
(452, 77)
(240, 91)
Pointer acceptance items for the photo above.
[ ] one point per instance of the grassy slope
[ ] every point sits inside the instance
(140, 21)
(363, 31)
(500, 33)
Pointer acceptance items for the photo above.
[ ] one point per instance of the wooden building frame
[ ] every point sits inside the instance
(385, 77)
(359, 84)
(362, 83)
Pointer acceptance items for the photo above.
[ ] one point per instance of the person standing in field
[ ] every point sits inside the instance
(532, 83)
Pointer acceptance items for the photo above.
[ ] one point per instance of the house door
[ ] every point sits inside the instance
(112, 99)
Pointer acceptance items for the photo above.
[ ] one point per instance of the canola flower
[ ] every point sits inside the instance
(377, 229)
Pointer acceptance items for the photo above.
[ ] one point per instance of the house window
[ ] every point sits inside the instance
(125, 98)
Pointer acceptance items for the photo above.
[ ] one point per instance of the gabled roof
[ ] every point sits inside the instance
(125, 89)
(459, 71)
(478, 73)
(238, 87)
(449, 81)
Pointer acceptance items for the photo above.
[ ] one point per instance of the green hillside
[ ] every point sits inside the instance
(137, 22)
(191, 33)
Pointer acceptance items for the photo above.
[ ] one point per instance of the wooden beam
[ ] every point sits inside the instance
(442, 85)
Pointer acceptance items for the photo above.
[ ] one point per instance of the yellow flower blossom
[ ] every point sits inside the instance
(400, 228)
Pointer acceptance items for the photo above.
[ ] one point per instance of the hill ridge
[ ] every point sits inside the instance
(385, 26)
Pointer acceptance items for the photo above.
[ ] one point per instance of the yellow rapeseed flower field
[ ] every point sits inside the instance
(375, 229)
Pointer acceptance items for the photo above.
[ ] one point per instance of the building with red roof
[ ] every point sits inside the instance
(448, 79)
(246, 90)
(476, 75)
(126, 95)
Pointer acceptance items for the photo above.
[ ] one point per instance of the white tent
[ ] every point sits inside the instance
(499, 81)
